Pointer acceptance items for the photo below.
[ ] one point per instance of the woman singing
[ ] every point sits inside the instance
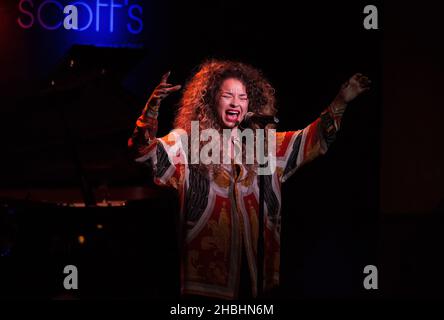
(219, 201)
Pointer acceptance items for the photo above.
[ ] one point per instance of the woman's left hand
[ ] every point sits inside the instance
(355, 86)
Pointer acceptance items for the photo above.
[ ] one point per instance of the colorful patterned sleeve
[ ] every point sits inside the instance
(295, 148)
(162, 155)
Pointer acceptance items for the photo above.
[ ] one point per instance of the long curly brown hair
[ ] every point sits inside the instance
(200, 96)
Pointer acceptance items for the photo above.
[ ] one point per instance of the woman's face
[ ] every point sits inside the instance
(232, 102)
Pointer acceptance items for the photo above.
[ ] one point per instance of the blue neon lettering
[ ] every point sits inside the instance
(139, 20)
(51, 15)
(111, 22)
(90, 14)
(39, 15)
(98, 5)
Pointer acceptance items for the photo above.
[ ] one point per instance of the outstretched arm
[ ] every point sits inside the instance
(146, 126)
(351, 89)
(296, 148)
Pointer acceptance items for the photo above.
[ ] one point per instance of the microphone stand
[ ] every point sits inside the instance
(260, 259)
(260, 240)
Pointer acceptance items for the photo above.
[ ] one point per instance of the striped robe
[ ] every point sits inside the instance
(219, 213)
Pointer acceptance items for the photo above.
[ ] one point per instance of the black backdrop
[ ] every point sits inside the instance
(307, 50)
(332, 216)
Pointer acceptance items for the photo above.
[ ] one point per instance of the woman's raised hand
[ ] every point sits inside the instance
(355, 86)
(162, 90)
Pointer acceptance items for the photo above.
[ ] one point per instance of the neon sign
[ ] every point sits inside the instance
(93, 15)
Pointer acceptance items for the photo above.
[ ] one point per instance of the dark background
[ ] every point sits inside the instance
(373, 199)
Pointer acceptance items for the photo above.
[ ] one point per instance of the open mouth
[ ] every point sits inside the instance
(232, 115)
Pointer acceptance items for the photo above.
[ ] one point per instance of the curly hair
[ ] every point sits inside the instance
(200, 96)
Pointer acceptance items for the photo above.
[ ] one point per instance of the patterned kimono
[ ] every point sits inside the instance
(219, 213)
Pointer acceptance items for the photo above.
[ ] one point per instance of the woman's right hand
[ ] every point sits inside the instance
(160, 93)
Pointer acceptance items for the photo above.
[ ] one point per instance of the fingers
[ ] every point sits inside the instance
(356, 78)
(362, 80)
(165, 77)
(175, 88)
(163, 89)
(167, 90)
(167, 86)
(164, 85)
(161, 92)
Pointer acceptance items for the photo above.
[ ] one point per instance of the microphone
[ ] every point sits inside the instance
(261, 119)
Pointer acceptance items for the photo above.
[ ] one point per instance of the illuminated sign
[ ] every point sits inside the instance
(93, 15)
